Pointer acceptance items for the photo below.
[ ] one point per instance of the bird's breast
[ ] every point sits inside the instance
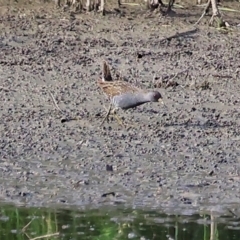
(128, 100)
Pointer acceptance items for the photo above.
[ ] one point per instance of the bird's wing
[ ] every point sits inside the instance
(115, 88)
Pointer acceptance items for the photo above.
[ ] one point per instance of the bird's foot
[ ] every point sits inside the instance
(107, 115)
(120, 122)
(114, 114)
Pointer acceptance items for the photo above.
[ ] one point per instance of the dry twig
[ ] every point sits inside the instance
(55, 102)
(45, 236)
(206, 9)
(25, 227)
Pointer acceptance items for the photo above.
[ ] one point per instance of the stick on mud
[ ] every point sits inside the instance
(55, 102)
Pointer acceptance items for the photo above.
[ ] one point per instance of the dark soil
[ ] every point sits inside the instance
(182, 157)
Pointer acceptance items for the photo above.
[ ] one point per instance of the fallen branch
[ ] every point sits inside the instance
(206, 9)
(215, 14)
(55, 103)
(45, 236)
(25, 227)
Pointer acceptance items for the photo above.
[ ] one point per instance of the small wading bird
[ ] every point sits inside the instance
(123, 94)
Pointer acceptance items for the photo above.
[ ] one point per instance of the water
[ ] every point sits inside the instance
(35, 223)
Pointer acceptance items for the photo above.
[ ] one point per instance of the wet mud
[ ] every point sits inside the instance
(180, 157)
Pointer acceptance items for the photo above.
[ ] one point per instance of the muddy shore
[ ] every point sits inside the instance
(183, 157)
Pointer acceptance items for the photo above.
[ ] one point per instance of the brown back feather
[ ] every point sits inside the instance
(115, 88)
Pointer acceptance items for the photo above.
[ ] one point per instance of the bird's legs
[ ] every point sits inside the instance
(120, 122)
(112, 112)
(107, 115)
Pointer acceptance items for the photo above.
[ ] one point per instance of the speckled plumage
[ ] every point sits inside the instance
(124, 95)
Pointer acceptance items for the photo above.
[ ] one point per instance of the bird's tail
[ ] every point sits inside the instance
(106, 73)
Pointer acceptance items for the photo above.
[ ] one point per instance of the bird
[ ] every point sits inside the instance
(123, 95)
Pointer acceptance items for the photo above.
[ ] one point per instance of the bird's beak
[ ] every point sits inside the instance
(161, 101)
